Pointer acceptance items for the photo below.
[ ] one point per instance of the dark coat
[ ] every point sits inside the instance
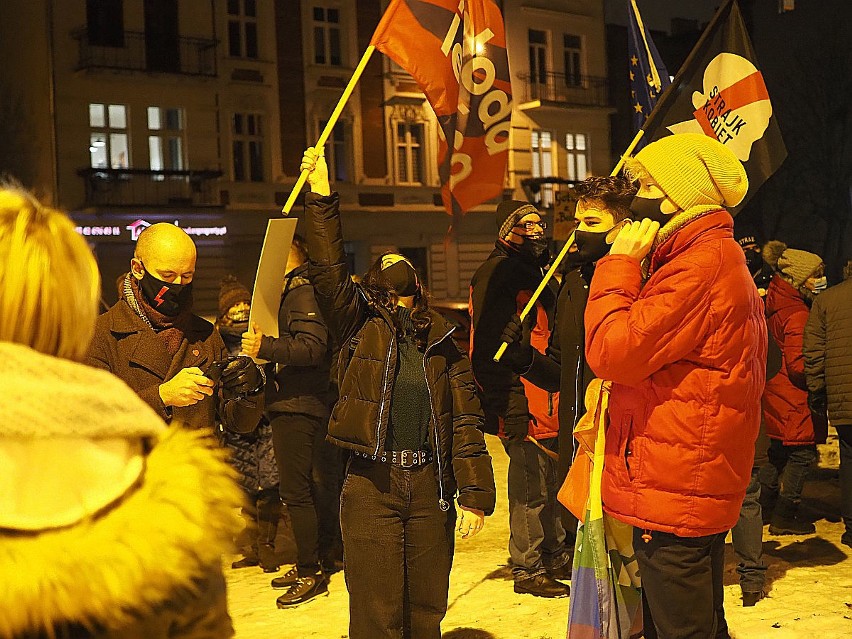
(785, 400)
(500, 288)
(300, 352)
(127, 347)
(359, 420)
(563, 368)
(828, 351)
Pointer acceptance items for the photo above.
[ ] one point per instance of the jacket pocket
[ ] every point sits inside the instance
(627, 452)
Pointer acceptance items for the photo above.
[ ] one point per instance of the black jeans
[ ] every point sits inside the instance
(747, 537)
(682, 594)
(397, 549)
(296, 439)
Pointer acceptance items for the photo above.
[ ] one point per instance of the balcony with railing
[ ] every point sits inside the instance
(142, 187)
(138, 51)
(563, 90)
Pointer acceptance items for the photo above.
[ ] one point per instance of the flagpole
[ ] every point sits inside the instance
(329, 126)
(725, 6)
(552, 270)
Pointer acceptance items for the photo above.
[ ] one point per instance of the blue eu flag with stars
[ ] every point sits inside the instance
(648, 75)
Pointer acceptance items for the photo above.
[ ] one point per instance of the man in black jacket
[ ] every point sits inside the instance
(602, 203)
(297, 407)
(828, 368)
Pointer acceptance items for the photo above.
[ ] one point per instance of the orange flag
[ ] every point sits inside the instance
(456, 51)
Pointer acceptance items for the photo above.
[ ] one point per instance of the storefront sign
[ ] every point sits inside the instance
(136, 227)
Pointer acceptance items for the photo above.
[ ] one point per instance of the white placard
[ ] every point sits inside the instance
(269, 283)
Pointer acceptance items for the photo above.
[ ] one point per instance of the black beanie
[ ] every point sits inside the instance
(508, 214)
(231, 293)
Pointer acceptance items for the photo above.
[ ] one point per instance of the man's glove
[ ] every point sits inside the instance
(519, 352)
(818, 403)
(241, 377)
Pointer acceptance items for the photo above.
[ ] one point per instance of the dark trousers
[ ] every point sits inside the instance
(787, 469)
(261, 514)
(747, 537)
(397, 551)
(296, 439)
(682, 594)
(329, 471)
(844, 433)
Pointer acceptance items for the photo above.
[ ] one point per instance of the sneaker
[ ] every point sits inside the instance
(245, 562)
(751, 598)
(305, 589)
(287, 579)
(541, 586)
(561, 573)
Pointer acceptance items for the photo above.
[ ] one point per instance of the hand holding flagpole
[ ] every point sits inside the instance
(550, 272)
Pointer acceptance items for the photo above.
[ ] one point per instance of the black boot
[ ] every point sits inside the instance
(287, 579)
(785, 520)
(268, 515)
(305, 589)
(541, 586)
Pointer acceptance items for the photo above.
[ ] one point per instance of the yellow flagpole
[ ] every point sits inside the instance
(531, 304)
(326, 132)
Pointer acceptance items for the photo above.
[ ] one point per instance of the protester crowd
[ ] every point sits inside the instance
(133, 441)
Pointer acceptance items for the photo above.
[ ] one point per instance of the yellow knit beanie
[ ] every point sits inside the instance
(693, 169)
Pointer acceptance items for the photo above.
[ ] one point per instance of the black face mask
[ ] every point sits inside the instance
(754, 260)
(650, 208)
(168, 299)
(402, 278)
(536, 248)
(591, 246)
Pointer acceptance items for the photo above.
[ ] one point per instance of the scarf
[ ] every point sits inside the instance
(169, 329)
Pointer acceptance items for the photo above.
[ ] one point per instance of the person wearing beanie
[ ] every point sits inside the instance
(792, 430)
(675, 322)
(251, 454)
(298, 411)
(523, 415)
(827, 349)
(760, 271)
(112, 525)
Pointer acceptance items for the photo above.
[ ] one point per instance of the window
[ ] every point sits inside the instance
(327, 36)
(248, 147)
(409, 153)
(542, 164)
(108, 140)
(337, 152)
(105, 23)
(578, 156)
(573, 60)
(538, 56)
(242, 28)
(165, 139)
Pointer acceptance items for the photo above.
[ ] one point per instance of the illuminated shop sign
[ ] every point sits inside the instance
(135, 228)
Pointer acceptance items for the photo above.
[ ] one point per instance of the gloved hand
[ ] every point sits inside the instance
(519, 353)
(516, 429)
(241, 377)
(818, 403)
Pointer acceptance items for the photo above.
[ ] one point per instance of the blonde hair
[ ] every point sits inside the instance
(49, 280)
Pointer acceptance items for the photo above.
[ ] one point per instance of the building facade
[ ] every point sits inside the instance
(130, 112)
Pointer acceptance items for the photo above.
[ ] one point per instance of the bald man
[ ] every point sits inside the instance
(151, 339)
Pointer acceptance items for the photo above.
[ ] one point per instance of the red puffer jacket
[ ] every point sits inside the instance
(687, 357)
(785, 400)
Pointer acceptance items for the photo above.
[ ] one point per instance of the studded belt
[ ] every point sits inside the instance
(401, 458)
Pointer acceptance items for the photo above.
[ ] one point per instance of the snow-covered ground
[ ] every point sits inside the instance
(810, 584)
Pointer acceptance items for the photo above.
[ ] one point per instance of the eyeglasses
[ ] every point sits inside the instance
(530, 226)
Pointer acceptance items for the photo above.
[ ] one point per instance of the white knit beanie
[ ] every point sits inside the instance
(694, 169)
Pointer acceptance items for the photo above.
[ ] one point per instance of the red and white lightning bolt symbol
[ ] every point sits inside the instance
(159, 297)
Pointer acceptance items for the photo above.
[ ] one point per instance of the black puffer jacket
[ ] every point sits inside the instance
(359, 420)
(828, 351)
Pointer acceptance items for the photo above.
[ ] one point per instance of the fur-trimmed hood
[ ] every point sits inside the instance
(122, 563)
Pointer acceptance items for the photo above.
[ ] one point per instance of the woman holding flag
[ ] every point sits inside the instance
(409, 412)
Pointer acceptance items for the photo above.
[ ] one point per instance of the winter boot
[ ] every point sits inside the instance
(268, 514)
(785, 520)
(541, 586)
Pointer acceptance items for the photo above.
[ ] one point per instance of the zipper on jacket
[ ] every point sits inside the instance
(384, 394)
(549, 404)
(443, 504)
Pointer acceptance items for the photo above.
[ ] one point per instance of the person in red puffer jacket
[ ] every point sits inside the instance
(684, 343)
(792, 449)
